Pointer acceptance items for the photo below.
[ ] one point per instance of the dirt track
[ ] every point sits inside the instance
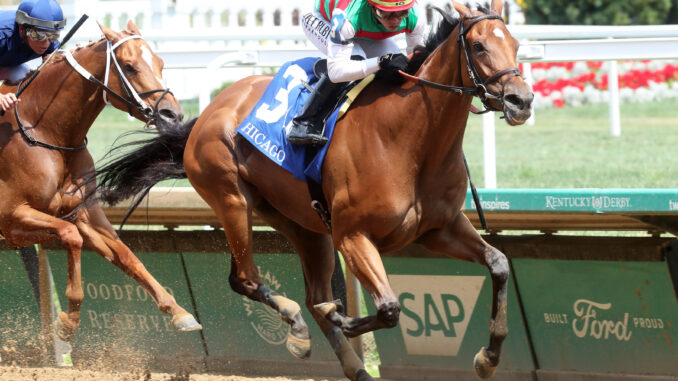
(10, 373)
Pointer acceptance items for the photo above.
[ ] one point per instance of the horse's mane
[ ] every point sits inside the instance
(61, 57)
(436, 37)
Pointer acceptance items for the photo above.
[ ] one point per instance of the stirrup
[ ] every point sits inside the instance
(312, 139)
(301, 134)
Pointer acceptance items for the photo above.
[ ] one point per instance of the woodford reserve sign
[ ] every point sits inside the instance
(119, 319)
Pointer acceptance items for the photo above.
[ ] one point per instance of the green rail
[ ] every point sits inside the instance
(577, 200)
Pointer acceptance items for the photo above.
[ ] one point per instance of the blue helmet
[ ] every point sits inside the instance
(41, 14)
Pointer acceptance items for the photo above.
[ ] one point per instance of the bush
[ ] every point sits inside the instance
(221, 88)
(597, 12)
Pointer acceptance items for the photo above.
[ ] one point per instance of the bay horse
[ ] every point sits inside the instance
(394, 175)
(44, 162)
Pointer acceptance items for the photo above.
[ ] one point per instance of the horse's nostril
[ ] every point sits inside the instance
(518, 101)
(169, 114)
(514, 100)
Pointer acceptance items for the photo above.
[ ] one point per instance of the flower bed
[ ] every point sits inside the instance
(561, 84)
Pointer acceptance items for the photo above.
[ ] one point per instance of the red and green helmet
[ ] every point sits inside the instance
(392, 5)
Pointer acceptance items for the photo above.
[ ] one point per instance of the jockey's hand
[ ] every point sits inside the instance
(8, 100)
(389, 65)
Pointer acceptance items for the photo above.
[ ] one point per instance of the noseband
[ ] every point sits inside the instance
(479, 88)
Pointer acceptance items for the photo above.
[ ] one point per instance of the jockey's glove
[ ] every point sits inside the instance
(389, 65)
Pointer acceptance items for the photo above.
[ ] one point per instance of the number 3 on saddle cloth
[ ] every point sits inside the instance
(268, 123)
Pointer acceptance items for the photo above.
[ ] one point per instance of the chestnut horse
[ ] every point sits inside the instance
(394, 174)
(44, 162)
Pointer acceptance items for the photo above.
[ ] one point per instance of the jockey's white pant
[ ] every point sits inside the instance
(17, 73)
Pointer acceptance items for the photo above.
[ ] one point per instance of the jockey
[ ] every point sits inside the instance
(30, 32)
(355, 36)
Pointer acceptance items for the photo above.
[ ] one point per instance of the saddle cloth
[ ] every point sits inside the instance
(271, 118)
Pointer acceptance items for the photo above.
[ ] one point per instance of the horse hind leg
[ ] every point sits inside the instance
(317, 259)
(100, 236)
(32, 226)
(299, 337)
(459, 239)
(351, 364)
(251, 286)
(235, 217)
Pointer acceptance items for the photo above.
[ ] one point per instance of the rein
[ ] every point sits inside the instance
(479, 88)
(35, 142)
(133, 99)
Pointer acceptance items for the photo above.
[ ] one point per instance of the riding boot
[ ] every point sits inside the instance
(308, 126)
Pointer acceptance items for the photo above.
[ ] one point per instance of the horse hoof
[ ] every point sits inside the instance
(481, 363)
(299, 347)
(327, 308)
(185, 323)
(362, 375)
(299, 339)
(64, 328)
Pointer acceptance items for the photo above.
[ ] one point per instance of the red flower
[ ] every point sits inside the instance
(594, 65)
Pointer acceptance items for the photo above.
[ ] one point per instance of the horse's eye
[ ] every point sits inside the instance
(129, 68)
(478, 47)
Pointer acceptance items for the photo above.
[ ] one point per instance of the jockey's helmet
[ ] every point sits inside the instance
(41, 14)
(392, 5)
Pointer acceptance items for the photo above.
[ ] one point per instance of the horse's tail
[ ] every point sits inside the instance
(138, 165)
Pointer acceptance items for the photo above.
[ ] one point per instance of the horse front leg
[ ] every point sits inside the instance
(101, 237)
(363, 259)
(459, 239)
(30, 226)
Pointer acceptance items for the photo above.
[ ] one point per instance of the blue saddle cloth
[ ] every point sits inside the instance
(267, 125)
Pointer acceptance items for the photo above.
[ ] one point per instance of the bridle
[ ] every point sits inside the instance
(479, 88)
(132, 98)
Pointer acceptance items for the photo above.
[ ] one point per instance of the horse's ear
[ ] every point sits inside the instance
(497, 6)
(110, 34)
(132, 27)
(445, 15)
(461, 8)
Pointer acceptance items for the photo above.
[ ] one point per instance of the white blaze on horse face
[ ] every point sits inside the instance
(497, 32)
(148, 58)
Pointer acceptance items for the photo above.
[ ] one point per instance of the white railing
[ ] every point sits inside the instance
(216, 23)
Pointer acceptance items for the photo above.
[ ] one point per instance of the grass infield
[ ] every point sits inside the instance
(565, 148)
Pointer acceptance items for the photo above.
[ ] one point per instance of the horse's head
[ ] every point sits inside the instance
(490, 53)
(136, 74)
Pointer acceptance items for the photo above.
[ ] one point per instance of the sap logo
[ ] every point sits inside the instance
(436, 311)
(434, 320)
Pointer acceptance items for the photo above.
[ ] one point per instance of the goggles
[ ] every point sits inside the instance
(41, 35)
(384, 15)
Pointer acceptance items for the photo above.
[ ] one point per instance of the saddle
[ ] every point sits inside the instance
(348, 93)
